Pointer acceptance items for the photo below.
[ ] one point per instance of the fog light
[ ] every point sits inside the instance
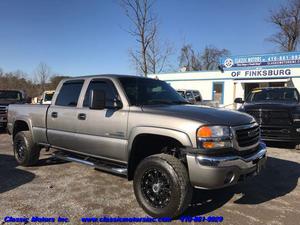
(298, 130)
(229, 178)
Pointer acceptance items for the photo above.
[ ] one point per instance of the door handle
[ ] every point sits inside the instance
(54, 114)
(81, 116)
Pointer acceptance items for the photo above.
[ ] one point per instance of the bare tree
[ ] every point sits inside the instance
(158, 55)
(55, 79)
(287, 20)
(144, 29)
(42, 75)
(211, 56)
(189, 59)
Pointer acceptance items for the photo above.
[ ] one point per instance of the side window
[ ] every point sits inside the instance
(69, 93)
(110, 93)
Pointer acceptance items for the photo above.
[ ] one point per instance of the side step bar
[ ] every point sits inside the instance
(119, 170)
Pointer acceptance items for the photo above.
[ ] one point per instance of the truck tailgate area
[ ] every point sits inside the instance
(33, 115)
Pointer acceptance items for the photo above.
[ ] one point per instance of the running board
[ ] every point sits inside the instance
(96, 163)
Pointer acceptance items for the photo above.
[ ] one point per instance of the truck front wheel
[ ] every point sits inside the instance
(161, 186)
(26, 152)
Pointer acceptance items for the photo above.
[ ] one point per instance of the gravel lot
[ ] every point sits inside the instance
(55, 188)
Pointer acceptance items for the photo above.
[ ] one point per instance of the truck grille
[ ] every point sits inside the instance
(271, 116)
(3, 110)
(247, 136)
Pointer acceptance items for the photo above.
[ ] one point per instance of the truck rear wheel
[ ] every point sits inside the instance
(26, 152)
(161, 186)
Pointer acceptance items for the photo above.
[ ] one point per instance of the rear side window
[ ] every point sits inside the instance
(69, 93)
(107, 87)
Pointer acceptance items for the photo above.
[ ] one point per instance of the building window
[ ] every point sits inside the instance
(218, 92)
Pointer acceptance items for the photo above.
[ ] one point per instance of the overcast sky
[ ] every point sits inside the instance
(79, 37)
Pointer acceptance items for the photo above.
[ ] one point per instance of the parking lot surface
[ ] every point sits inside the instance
(55, 188)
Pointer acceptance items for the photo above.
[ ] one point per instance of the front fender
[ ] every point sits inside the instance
(181, 137)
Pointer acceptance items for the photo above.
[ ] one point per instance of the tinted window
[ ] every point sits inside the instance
(69, 93)
(10, 95)
(276, 94)
(107, 87)
(141, 91)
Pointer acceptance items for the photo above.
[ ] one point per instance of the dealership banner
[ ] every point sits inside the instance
(276, 60)
(263, 73)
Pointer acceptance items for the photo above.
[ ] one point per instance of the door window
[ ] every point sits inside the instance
(101, 85)
(69, 93)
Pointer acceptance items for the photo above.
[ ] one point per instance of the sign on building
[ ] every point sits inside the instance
(263, 61)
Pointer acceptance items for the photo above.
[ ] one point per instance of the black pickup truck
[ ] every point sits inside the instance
(8, 97)
(277, 110)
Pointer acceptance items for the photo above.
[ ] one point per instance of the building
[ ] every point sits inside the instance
(238, 75)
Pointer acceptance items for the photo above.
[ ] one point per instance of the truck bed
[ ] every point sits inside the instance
(34, 115)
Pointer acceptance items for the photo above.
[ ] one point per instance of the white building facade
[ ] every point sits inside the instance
(238, 75)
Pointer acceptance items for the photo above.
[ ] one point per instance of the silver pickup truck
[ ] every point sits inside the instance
(143, 129)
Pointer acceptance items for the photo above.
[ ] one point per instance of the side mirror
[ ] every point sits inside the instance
(117, 104)
(97, 99)
(239, 100)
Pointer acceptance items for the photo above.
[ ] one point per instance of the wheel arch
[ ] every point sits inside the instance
(21, 124)
(152, 137)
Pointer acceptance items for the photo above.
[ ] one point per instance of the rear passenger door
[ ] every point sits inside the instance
(62, 116)
(102, 133)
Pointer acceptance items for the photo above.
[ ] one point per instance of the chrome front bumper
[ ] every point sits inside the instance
(209, 172)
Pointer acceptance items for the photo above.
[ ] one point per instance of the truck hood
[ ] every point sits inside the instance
(4, 102)
(267, 105)
(202, 114)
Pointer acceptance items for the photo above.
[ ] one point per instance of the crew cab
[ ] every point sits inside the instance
(277, 111)
(143, 129)
(9, 97)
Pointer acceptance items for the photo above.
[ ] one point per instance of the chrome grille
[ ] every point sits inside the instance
(247, 136)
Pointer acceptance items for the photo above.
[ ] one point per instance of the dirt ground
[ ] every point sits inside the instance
(55, 188)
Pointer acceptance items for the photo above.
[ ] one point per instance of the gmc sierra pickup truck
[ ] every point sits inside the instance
(277, 111)
(143, 129)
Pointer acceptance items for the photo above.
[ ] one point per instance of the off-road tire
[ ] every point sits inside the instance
(180, 187)
(30, 151)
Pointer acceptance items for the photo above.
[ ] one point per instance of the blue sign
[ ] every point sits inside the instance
(287, 59)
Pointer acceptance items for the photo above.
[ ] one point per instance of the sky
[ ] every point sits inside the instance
(80, 37)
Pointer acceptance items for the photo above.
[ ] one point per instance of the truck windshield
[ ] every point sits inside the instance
(141, 91)
(10, 95)
(276, 94)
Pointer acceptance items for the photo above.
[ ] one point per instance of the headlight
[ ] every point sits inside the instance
(211, 137)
